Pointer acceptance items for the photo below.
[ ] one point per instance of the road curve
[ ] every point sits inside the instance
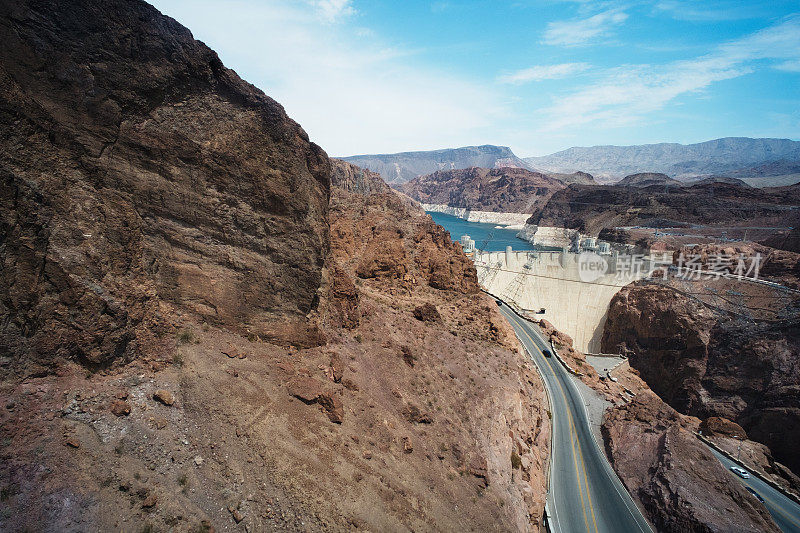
(785, 511)
(585, 494)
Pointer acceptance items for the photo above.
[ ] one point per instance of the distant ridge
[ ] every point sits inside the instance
(740, 157)
(647, 179)
(405, 166)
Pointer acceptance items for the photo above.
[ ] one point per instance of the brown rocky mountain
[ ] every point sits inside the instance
(121, 205)
(647, 179)
(348, 177)
(717, 348)
(674, 476)
(789, 240)
(511, 190)
(197, 335)
(581, 178)
(591, 209)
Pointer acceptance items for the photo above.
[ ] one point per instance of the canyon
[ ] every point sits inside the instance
(210, 325)
(710, 358)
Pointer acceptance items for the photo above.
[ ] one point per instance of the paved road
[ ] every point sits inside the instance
(785, 512)
(585, 493)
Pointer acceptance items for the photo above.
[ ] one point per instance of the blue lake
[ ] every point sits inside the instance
(480, 232)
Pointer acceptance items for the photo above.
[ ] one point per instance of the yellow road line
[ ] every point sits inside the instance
(574, 432)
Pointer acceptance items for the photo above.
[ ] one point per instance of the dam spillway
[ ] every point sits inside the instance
(574, 301)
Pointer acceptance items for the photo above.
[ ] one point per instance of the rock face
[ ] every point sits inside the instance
(510, 190)
(140, 177)
(677, 480)
(591, 209)
(160, 212)
(581, 178)
(420, 315)
(704, 360)
(391, 238)
(348, 177)
(719, 156)
(405, 166)
(789, 240)
(646, 179)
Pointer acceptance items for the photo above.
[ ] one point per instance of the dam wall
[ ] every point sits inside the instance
(553, 281)
(515, 220)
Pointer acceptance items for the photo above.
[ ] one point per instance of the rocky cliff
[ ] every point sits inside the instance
(674, 476)
(196, 336)
(134, 187)
(717, 348)
(581, 178)
(647, 179)
(348, 177)
(405, 166)
(510, 190)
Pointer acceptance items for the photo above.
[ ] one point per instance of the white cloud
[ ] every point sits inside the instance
(789, 66)
(351, 92)
(624, 94)
(578, 32)
(333, 10)
(543, 72)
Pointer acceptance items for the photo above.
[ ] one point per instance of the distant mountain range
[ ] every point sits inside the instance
(741, 155)
(773, 161)
(405, 166)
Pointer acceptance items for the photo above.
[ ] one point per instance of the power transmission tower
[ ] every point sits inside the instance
(514, 289)
(487, 277)
(486, 241)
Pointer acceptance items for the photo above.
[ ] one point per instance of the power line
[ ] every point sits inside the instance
(619, 286)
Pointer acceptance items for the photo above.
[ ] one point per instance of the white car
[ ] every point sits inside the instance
(741, 472)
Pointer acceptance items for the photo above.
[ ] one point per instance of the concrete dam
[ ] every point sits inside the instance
(570, 290)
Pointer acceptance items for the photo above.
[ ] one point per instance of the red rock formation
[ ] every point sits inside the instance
(718, 426)
(708, 360)
(348, 177)
(392, 239)
(511, 190)
(157, 210)
(677, 480)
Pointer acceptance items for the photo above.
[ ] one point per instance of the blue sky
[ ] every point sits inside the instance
(373, 76)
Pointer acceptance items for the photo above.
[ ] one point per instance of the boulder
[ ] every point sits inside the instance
(304, 388)
(715, 425)
(427, 312)
(164, 396)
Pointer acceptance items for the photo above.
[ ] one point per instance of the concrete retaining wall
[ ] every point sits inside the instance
(552, 282)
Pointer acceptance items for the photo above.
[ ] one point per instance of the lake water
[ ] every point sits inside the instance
(479, 232)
